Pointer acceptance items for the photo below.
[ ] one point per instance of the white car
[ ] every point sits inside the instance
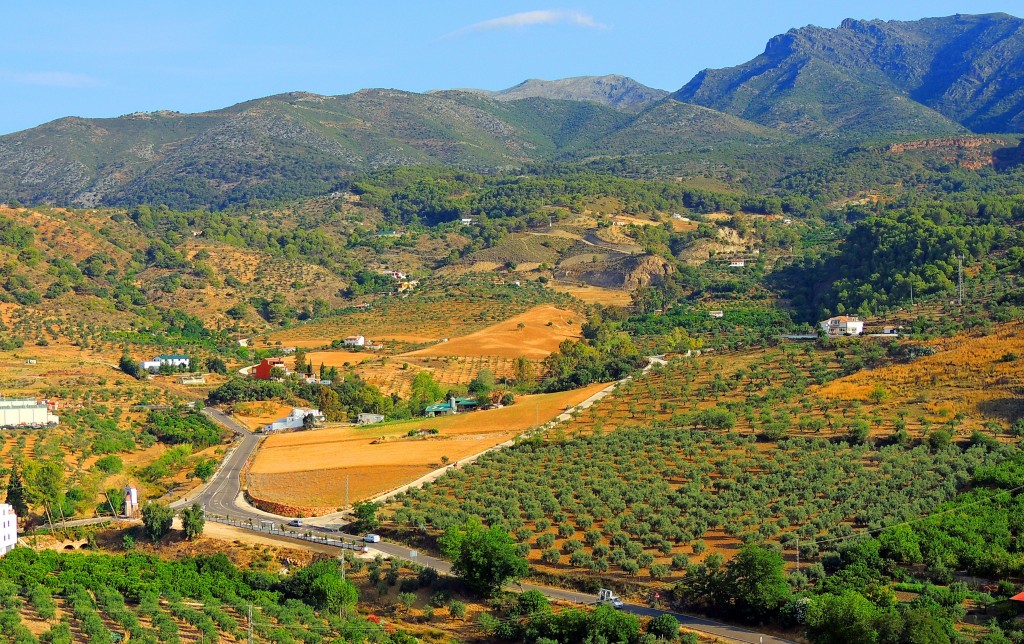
(295, 523)
(372, 538)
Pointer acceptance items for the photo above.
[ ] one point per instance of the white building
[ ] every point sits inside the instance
(354, 341)
(369, 419)
(842, 325)
(295, 420)
(8, 528)
(131, 501)
(737, 263)
(26, 412)
(717, 314)
(172, 360)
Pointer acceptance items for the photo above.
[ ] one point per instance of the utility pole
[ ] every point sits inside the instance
(346, 490)
(250, 623)
(341, 609)
(960, 280)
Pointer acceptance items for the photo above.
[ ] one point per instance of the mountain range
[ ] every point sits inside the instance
(816, 87)
(880, 78)
(621, 92)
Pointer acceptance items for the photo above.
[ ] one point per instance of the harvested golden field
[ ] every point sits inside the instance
(309, 468)
(332, 358)
(595, 294)
(534, 334)
(444, 308)
(395, 374)
(681, 226)
(976, 376)
(629, 220)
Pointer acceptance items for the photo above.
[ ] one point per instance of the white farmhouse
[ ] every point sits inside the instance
(171, 360)
(354, 341)
(842, 325)
(8, 528)
(295, 420)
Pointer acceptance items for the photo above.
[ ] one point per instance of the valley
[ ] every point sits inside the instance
(743, 359)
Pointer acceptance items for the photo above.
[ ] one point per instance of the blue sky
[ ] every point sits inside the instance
(67, 59)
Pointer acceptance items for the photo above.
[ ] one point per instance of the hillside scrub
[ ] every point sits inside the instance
(178, 426)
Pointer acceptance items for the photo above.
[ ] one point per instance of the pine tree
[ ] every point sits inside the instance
(16, 492)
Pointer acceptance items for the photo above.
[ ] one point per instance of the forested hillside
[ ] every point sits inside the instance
(879, 79)
(813, 93)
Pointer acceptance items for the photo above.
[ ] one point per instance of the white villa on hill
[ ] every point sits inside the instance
(172, 360)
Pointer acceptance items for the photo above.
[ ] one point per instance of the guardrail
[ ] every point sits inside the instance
(276, 528)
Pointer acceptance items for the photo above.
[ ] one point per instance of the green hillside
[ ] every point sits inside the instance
(879, 79)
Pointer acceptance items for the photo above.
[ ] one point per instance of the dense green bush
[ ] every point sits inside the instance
(176, 427)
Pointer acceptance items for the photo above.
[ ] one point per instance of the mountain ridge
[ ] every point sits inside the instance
(614, 90)
(812, 90)
(940, 75)
(297, 144)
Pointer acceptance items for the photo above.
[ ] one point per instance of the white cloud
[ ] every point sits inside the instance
(530, 18)
(51, 79)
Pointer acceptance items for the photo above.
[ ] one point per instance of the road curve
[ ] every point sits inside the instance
(223, 496)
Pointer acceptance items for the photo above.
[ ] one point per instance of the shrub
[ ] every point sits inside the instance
(110, 464)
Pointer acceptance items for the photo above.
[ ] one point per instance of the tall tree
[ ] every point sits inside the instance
(485, 558)
(193, 520)
(366, 515)
(758, 585)
(16, 492)
(157, 519)
(44, 485)
(425, 391)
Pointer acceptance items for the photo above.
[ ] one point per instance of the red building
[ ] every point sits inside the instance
(262, 370)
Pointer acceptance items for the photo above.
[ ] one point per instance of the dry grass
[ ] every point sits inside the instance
(967, 375)
(395, 375)
(596, 294)
(332, 358)
(405, 320)
(309, 468)
(534, 334)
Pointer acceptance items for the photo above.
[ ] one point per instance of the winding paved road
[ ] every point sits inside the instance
(223, 496)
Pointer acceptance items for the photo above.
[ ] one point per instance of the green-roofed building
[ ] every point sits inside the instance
(450, 407)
